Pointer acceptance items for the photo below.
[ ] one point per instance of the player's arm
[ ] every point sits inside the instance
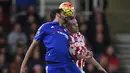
(92, 60)
(38, 37)
(96, 64)
(78, 57)
(28, 54)
(83, 57)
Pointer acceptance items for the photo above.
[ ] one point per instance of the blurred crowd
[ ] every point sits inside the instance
(16, 37)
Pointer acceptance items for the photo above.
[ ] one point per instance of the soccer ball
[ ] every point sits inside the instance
(68, 8)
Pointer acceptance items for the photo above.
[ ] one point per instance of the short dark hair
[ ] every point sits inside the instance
(53, 13)
(70, 17)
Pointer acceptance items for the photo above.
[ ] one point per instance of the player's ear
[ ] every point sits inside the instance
(57, 14)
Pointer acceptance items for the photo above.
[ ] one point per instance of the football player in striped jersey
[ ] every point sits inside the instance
(78, 46)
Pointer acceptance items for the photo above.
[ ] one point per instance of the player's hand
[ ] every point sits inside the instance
(23, 69)
(102, 69)
(89, 55)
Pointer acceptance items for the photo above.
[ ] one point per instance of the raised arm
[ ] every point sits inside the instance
(96, 64)
(28, 54)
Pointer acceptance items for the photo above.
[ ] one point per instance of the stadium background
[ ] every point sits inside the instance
(104, 23)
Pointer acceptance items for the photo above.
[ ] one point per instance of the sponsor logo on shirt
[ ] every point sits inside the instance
(66, 36)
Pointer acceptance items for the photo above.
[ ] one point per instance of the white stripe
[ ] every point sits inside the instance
(82, 71)
(72, 38)
(77, 63)
(46, 69)
(81, 63)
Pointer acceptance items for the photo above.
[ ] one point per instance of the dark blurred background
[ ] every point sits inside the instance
(104, 23)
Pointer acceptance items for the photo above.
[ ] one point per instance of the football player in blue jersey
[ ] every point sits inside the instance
(56, 39)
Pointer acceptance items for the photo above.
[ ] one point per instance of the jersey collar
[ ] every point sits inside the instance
(55, 23)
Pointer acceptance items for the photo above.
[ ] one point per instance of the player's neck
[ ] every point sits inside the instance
(56, 20)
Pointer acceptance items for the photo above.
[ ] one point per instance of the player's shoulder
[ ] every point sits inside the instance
(47, 24)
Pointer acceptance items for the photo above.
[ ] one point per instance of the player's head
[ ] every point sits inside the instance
(65, 9)
(58, 15)
(72, 24)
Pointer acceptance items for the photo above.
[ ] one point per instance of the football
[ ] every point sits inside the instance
(68, 8)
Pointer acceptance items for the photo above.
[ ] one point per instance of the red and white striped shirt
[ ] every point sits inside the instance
(78, 46)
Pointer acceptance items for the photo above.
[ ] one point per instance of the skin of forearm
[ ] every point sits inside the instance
(94, 62)
(29, 52)
(79, 57)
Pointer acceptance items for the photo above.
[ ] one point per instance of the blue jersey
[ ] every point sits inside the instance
(56, 40)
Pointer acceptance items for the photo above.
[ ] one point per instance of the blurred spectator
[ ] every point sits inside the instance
(35, 59)
(2, 33)
(31, 19)
(99, 38)
(82, 19)
(47, 16)
(5, 70)
(38, 68)
(2, 61)
(3, 50)
(90, 68)
(112, 69)
(103, 60)
(83, 29)
(31, 37)
(2, 41)
(15, 37)
(16, 64)
(113, 62)
(2, 37)
(31, 25)
(82, 24)
(20, 51)
(4, 20)
(99, 28)
(30, 11)
(99, 46)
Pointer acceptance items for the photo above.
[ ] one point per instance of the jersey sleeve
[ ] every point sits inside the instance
(40, 33)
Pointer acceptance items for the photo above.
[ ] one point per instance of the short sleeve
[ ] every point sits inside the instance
(40, 33)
